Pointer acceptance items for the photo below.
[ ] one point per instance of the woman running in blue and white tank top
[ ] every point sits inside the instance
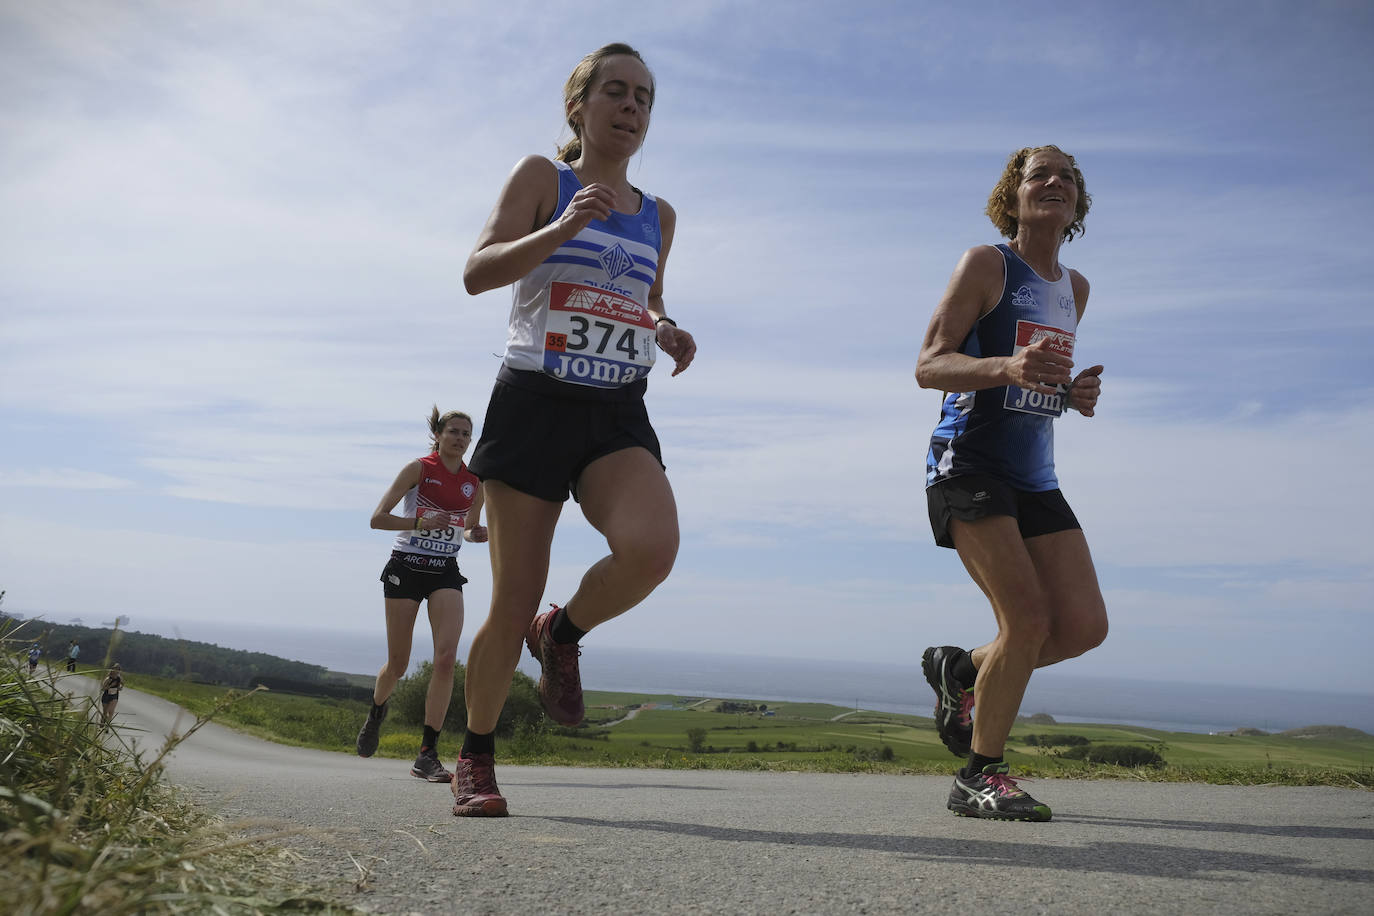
(1001, 345)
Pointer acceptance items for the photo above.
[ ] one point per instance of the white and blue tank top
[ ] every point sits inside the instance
(1008, 432)
(582, 316)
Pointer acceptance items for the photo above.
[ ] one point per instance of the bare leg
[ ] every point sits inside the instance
(626, 496)
(996, 557)
(400, 625)
(1048, 605)
(520, 529)
(1078, 614)
(446, 624)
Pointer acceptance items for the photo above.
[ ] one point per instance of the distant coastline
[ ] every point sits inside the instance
(885, 687)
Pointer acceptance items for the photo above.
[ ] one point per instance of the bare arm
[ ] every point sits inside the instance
(473, 529)
(518, 235)
(674, 341)
(382, 519)
(973, 291)
(1087, 385)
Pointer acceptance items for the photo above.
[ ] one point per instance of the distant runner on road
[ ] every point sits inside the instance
(109, 692)
(584, 250)
(1001, 345)
(34, 655)
(442, 506)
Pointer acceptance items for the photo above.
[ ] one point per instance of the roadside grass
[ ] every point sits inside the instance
(796, 737)
(88, 826)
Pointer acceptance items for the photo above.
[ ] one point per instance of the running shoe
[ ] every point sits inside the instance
(560, 684)
(427, 766)
(474, 788)
(371, 731)
(994, 794)
(954, 703)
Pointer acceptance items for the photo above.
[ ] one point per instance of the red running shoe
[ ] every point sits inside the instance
(560, 684)
(474, 788)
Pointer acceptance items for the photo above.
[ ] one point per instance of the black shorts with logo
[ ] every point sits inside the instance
(974, 496)
(540, 434)
(416, 575)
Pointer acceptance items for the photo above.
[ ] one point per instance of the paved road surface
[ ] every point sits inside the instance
(674, 841)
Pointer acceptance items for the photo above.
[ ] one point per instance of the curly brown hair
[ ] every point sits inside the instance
(1002, 200)
(437, 422)
(579, 86)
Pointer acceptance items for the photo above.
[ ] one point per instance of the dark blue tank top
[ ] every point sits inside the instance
(1008, 432)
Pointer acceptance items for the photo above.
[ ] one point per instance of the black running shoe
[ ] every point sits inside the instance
(954, 703)
(371, 732)
(994, 794)
(427, 766)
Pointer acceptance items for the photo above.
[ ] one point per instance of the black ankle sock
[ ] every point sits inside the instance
(474, 744)
(430, 741)
(376, 712)
(563, 631)
(963, 669)
(976, 763)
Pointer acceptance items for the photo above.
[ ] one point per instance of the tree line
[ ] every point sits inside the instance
(146, 653)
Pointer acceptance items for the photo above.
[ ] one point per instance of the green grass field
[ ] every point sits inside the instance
(797, 736)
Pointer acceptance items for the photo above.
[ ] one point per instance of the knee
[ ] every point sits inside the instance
(651, 557)
(1087, 633)
(1093, 634)
(444, 660)
(1027, 631)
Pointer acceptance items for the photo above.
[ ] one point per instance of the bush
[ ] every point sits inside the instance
(1055, 740)
(522, 702)
(696, 740)
(1122, 755)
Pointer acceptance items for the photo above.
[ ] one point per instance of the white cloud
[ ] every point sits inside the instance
(62, 478)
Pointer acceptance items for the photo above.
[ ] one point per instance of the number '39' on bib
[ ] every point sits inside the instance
(596, 337)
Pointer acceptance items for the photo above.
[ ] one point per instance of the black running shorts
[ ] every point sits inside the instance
(974, 496)
(539, 434)
(416, 575)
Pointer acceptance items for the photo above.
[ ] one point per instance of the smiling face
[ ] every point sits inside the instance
(611, 112)
(1040, 186)
(1048, 192)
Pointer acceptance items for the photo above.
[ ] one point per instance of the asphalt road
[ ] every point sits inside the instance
(680, 841)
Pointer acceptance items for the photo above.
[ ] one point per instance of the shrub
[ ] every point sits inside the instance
(1055, 740)
(408, 702)
(696, 740)
(1122, 755)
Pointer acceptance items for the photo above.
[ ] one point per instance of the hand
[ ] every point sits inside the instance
(1039, 368)
(677, 343)
(477, 534)
(591, 203)
(431, 519)
(1084, 390)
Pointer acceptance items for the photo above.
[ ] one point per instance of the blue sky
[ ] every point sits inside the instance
(230, 259)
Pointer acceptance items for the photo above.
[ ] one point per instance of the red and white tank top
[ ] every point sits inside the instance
(439, 490)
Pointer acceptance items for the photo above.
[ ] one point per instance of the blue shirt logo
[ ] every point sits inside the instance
(616, 261)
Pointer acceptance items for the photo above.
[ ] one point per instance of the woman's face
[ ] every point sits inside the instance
(615, 114)
(455, 438)
(1048, 191)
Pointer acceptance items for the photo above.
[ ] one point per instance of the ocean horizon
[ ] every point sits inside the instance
(885, 687)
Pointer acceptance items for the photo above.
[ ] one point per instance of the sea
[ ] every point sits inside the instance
(887, 687)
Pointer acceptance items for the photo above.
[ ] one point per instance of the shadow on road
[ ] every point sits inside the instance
(1139, 859)
(1296, 830)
